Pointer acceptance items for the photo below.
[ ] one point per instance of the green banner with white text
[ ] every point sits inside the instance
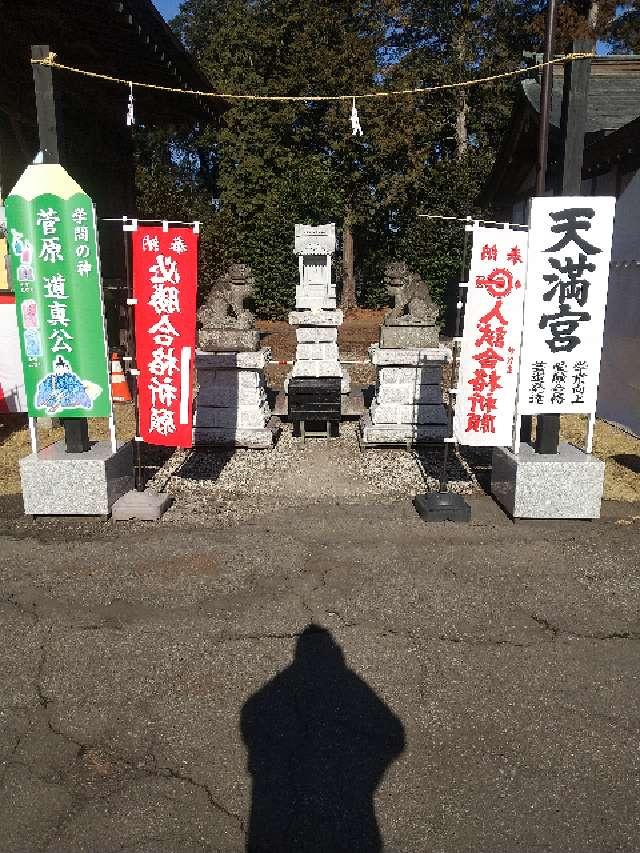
(56, 275)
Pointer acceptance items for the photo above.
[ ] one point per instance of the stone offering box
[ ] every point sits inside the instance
(568, 484)
(232, 408)
(58, 483)
(408, 405)
(315, 401)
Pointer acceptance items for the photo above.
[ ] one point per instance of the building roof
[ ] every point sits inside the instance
(614, 93)
(613, 104)
(122, 38)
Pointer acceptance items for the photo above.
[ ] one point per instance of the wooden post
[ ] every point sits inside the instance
(548, 426)
(575, 98)
(76, 430)
(45, 105)
(348, 297)
(573, 122)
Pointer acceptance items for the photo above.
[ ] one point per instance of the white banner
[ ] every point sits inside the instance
(488, 373)
(568, 275)
(12, 394)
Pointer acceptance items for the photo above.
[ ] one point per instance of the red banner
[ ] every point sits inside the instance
(165, 274)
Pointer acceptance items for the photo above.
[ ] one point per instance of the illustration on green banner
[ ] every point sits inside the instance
(56, 270)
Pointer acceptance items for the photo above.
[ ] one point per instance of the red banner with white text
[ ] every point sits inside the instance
(165, 275)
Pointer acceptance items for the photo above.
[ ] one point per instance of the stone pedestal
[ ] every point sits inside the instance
(231, 406)
(408, 404)
(317, 347)
(408, 336)
(58, 483)
(568, 484)
(228, 340)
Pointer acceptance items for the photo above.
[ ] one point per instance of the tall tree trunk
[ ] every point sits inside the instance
(348, 297)
(462, 133)
(462, 106)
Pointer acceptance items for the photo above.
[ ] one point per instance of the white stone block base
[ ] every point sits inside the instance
(408, 404)
(231, 406)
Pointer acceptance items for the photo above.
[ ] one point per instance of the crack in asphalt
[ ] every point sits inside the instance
(557, 631)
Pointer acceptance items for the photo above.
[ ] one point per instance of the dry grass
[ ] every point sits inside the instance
(620, 451)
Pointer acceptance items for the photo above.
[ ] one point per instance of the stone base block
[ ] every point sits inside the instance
(141, 506)
(315, 303)
(231, 417)
(412, 395)
(426, 357)
(400, 433)
(58, 483)
(408, 337)
(230, 394)
(316, 334)
(568, 484)
(228, 340)
(317, 352)
(255, 360)
(255, 439)
(412, 376)
(383, 414)
(316, 318)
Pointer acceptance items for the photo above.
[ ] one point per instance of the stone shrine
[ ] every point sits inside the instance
(316, 317)
(231, 408)
(408, 404)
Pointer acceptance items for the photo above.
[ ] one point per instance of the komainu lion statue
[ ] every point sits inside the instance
(224, 306)
(412, 299)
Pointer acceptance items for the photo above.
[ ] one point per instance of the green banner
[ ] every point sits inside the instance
(56, 275)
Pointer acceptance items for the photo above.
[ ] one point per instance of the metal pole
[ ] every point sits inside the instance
(131, 352)
(444, 473)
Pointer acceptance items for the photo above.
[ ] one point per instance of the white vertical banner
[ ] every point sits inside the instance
(488, 371)
(568, 277)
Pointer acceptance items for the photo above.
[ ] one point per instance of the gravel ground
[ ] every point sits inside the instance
(239, 485)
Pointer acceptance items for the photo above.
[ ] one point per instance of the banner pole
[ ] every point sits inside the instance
(131, 348)
(444, 474)
(444, 505)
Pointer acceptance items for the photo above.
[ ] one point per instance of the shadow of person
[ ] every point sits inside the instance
(319, 741)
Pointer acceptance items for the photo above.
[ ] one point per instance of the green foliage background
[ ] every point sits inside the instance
(265, 166)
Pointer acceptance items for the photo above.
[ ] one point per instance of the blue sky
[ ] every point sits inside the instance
(167, 8)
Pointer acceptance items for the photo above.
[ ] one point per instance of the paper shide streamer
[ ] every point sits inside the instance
(131, 119)
(356, 130)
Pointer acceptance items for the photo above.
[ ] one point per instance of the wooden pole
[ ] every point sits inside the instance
(545, 100)
(46, 106)
(548, 426)
(573, 120)
(76, 430)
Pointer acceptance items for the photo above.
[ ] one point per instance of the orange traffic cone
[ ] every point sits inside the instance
(119, 389)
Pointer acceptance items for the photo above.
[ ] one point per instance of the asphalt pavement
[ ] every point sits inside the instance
(332, 678)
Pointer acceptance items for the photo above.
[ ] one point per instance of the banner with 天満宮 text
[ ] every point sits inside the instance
(567, 280)
(55, 267)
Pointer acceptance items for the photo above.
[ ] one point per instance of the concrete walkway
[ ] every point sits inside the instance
(335, 678)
